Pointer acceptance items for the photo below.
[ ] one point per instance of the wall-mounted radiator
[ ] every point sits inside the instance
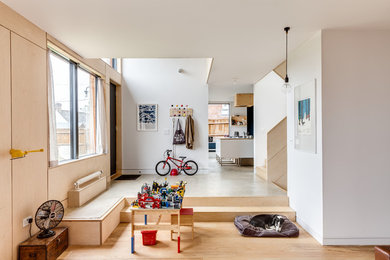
(86, 189)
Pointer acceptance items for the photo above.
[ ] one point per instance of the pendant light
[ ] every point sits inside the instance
(286, 86)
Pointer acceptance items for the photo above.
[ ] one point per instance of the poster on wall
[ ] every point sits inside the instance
(147, 117)
(305, 117)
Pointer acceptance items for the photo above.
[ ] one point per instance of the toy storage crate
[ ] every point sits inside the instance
(149, 237)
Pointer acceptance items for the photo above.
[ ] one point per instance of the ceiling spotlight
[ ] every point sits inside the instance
(286, 86)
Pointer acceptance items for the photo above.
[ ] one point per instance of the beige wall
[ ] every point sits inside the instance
(29, 182)
(5, 146)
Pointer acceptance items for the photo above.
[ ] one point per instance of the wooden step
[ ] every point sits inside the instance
(280, 201)
(217, 214)
(261, 172)
(225, 214)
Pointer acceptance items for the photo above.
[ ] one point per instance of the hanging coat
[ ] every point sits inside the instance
(189, 132)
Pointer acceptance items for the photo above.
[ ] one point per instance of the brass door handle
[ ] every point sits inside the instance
(17, 154)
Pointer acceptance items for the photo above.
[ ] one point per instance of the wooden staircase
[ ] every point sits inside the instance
(224, 209)
(275, 169)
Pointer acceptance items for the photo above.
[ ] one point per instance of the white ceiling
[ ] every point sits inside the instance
(245, 37)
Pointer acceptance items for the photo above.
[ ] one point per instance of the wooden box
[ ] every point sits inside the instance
(45, 249)
(382, 252)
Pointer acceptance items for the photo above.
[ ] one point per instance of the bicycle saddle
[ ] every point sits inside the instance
(182, 157)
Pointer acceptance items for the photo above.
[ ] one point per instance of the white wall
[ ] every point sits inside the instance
(158, 81)
(226, 94)
(270, 109)
(305, 169)
(356, 136)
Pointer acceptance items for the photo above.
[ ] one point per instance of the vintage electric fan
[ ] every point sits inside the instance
(48, 216)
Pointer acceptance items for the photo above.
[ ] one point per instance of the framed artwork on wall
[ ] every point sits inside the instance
(147, 115)
(305, 117)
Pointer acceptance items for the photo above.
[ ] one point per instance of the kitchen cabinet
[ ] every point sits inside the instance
(243, 100)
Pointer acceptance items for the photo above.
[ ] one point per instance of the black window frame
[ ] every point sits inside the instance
(74, 119)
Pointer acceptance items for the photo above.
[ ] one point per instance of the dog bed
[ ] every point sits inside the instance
(289, 229)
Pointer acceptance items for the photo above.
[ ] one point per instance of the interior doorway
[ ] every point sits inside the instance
(113, 129)
(219, 122)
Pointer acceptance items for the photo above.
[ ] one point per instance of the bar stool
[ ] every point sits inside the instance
(186, 219)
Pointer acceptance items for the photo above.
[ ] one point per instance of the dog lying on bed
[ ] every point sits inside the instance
(268, 222)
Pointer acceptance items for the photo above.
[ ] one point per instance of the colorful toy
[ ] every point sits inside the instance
(146, 201)
(160, 195)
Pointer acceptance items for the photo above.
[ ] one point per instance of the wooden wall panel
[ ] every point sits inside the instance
(29, 131)
(62, 177)
(5, 146)
(20, 25)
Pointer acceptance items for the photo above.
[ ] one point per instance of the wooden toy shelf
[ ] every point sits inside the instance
(157, 226)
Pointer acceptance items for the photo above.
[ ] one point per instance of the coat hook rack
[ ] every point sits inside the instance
(180, 111)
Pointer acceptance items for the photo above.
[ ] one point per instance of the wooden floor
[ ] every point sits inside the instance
(215, 241)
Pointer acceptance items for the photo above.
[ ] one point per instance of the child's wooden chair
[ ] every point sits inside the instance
(186, 219)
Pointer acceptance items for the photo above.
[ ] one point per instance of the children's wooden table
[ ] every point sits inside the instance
(157, 226)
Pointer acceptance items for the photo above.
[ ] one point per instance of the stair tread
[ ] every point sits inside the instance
(244, 209)
(235, 209)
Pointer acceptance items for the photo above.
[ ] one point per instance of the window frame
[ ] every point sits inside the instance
(74, 119)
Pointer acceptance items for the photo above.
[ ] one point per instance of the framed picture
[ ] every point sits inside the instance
(147, 117)
(305, 117)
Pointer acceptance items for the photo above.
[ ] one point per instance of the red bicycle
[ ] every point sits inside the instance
(163, 167)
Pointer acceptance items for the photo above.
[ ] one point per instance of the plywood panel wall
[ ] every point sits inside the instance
(61, 178)
(20, 25)
(29, 131)
(5, 146)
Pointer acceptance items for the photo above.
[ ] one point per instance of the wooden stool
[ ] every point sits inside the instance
(186, 219)
(382, 253)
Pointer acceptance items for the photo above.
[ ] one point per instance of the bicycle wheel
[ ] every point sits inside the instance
(163, 168)
(190, 167)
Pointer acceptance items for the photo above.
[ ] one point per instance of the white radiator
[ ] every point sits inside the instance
(86, 188)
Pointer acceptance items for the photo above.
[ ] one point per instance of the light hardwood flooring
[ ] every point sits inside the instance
(215, 241)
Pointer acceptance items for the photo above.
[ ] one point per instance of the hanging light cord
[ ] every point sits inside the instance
(286, 29)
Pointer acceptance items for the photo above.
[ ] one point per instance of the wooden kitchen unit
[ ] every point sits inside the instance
(243, 100)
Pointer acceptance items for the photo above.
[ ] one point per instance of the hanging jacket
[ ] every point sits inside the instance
(190, 132)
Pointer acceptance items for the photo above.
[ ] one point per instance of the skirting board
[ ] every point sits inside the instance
(313, 233)
(343, 241)
(152, 171)
(356, 241)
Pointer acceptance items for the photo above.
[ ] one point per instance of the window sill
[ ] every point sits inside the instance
(86, 157)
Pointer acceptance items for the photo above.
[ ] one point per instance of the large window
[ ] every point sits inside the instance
(219, 119)
(75, 96)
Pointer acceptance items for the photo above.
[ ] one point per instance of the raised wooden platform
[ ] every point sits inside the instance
(92, 229)
(92, 223)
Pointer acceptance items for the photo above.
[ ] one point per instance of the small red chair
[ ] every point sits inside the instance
(186, 219)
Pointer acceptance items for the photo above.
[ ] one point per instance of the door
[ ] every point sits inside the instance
(29, 132)
(112, 129)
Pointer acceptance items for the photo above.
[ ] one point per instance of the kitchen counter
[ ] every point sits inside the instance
(233, 138)
(234, 148)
